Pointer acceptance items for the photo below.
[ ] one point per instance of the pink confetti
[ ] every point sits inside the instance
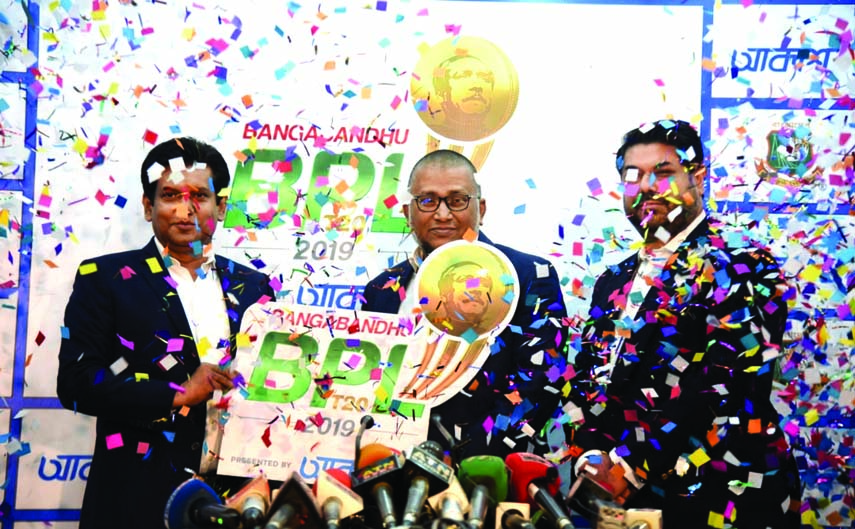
(127, 343)
(114, 441)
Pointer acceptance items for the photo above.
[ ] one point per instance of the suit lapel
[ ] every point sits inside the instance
(234, 292)
(158, 278)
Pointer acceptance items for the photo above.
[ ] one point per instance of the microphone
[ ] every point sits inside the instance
(534, 479)
(511, 515)
(485, 479)
(454, 448)
(337, 500)
(195, 505)
(251, 502)
(293, 506)
(451, 503)
(596, 504)
(376, 471)
(428, 475)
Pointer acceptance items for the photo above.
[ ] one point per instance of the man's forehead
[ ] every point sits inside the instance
(187, 179)
(659, 155)
(438, 179)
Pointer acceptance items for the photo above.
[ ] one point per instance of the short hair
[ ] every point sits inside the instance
(678, 134)
(444, 159)
(440, 82)
(448, 275)
(192, 151)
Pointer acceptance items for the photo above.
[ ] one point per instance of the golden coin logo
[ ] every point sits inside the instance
(465, 88)
(467, 289)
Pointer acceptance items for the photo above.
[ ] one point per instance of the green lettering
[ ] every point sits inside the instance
(295, 367)
(321, 195)
(390, 378)
(348, 376)
(385, 219)
(244, 187)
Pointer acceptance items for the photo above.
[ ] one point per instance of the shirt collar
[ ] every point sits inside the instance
(207, 252)
(666, 251)
(416, 258)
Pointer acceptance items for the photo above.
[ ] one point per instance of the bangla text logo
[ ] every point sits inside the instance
(65, 467)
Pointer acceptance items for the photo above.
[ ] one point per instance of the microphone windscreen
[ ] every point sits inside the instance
(525, 468)
(486, 470)
(340, 475)
(177, 514)
(329, 486)
(295, 493)
(372, 453)
(258, 486)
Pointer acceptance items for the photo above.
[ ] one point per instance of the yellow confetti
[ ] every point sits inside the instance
(811, 273)
(699, 457)
(202, 347)
(88, 268)
(140, 376)
(154, 265)
(811, 417)
(80, 146)
(242, 339)
(715, 520)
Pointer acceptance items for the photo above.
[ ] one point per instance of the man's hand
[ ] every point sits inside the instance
(607, 475)
(199, 387)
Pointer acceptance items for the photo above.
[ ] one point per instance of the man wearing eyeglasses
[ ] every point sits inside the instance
(506, 407)
(674, 375)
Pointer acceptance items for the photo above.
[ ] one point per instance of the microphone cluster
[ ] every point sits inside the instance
(388, 489)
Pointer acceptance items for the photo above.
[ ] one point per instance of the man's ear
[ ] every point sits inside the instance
(406, 209)
(221, 209)
(482, 210)
(699, 177)
(147, 207)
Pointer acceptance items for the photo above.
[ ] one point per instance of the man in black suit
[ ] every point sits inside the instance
(148, 332)
(675, 374)
(514, 394)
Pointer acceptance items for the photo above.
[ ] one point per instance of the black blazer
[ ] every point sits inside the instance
(694, 381)
(484, 412)
(142, 445)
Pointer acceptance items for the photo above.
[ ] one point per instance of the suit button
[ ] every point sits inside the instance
(196, 446)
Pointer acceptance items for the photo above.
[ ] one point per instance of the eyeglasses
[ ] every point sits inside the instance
(430, 203)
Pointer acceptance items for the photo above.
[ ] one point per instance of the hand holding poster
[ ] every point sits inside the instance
(310, 374)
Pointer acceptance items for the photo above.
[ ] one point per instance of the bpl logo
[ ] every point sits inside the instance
(286, 196)
(65, 467)
(333, 357)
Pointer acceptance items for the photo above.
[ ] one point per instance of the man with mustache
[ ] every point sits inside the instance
(465, 84)
(465, 295)
(148, 336)
(674, 377)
